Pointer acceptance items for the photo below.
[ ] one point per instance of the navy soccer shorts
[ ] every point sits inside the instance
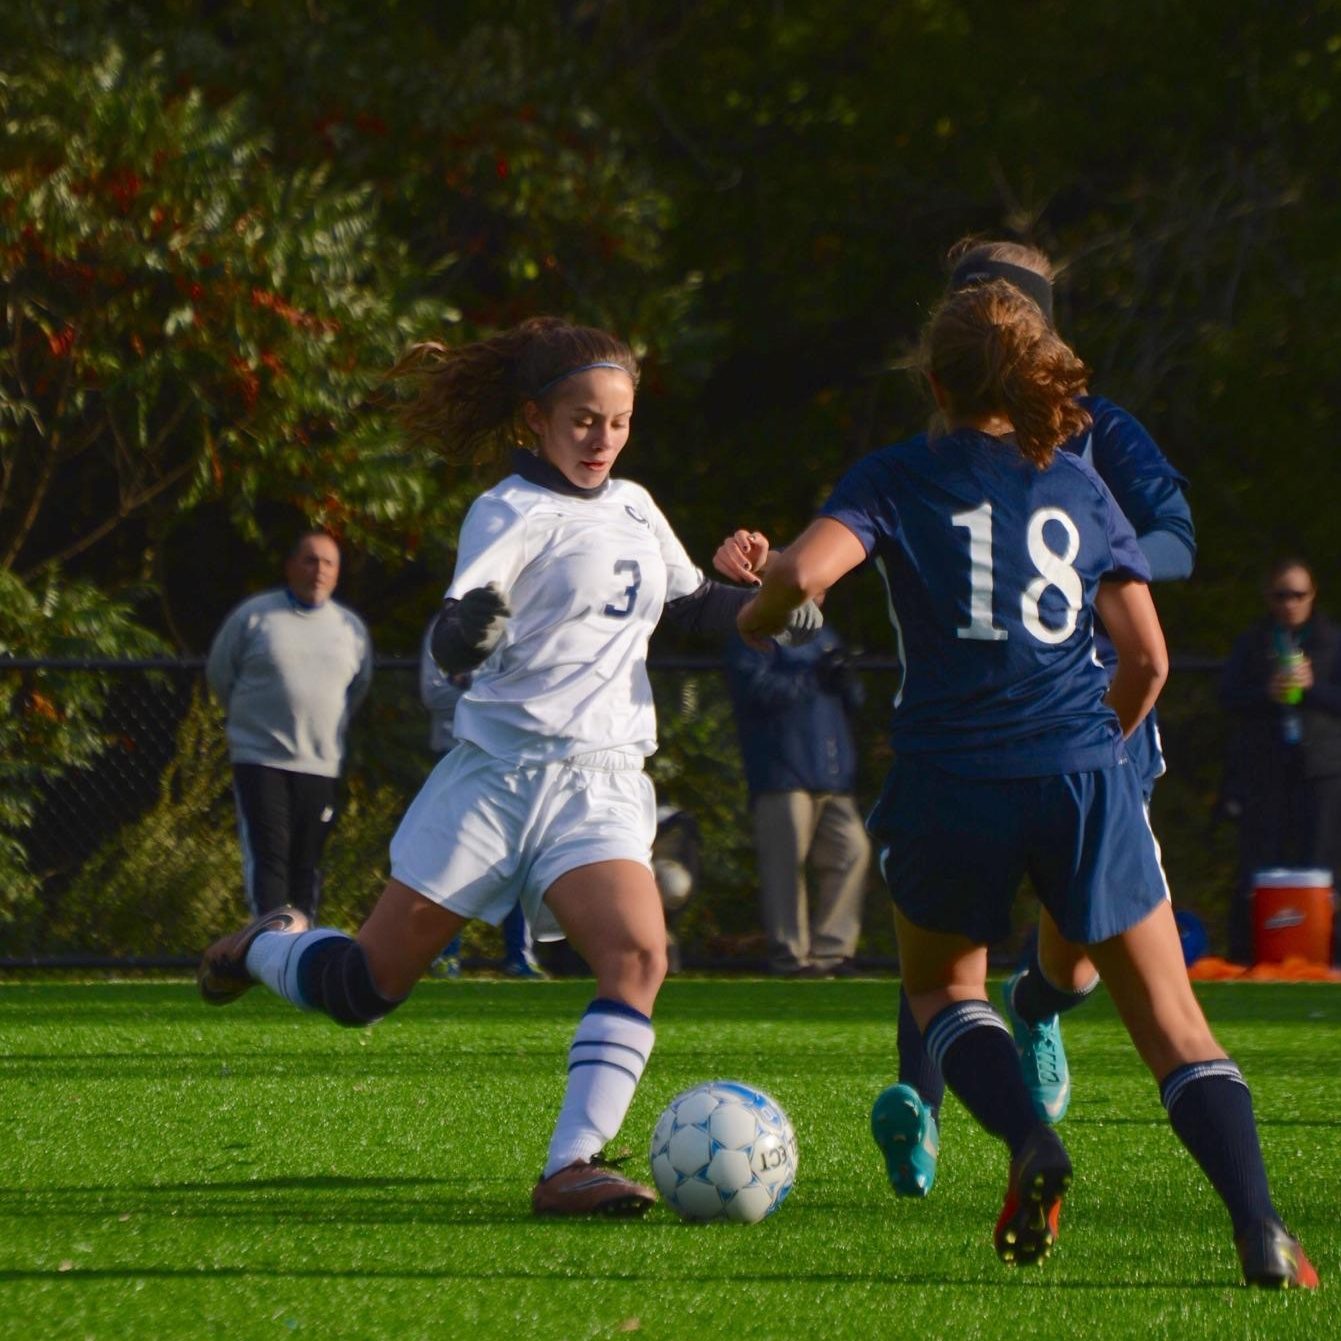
(953, 850)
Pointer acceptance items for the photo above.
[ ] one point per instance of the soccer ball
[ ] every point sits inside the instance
(724, 1151)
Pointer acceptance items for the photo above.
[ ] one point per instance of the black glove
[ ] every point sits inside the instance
(802, 625)
(467, 630)
(482, 615)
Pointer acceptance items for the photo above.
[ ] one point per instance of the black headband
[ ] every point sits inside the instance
(976, 270)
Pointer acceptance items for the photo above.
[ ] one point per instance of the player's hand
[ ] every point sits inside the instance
(481, 616)
(1303, 674)
(742, 556)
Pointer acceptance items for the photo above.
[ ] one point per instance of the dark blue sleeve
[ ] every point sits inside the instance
(1126, 561)
(1146, 485)
(861, 501)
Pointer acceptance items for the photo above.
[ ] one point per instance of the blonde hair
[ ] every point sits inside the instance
(467, 399)
(994, 353)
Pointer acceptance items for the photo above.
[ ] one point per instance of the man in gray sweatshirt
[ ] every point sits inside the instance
(290, 667)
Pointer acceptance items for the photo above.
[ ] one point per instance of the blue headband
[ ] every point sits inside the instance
(573, 372)
(1029, 282)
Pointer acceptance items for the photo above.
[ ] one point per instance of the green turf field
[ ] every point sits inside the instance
(175, 1171)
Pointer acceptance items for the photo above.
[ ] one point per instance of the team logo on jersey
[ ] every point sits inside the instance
(635, 514)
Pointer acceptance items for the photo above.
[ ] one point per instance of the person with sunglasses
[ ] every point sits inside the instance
(1282, 688)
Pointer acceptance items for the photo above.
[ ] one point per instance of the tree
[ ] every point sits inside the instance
(182, 322)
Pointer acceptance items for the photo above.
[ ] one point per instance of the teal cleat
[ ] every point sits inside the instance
(905, 1130)
(1042, 1058)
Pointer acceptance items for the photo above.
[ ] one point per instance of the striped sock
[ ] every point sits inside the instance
(274, 957)
(974, 1051)
(605, 1063)
(1211, 1109)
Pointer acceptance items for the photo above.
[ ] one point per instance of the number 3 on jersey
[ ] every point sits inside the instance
(629, 568)
(1054, 570)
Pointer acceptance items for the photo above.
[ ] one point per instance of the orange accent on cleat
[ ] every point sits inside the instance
(1273, 1258)
(1028, 1224)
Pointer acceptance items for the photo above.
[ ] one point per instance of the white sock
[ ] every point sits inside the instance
(605, 1063)
(274, 956)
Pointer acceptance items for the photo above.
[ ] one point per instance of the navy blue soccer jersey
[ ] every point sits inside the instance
(991, 567)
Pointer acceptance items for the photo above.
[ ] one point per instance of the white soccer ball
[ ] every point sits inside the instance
(724, 1151)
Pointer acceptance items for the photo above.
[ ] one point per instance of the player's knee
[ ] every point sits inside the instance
(647, 966)
(339, 982)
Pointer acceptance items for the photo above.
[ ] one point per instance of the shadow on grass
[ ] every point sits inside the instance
(658, 1277)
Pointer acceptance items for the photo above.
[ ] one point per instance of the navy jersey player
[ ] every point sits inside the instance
(999, 552)
(1152, 495)
(562, 573)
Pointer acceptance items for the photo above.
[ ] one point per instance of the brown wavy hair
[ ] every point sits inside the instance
(466, 400)
(994, 353)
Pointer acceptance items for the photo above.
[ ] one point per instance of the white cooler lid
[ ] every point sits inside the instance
(1281, 877)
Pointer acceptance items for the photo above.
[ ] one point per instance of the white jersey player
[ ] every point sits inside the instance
(562, 574)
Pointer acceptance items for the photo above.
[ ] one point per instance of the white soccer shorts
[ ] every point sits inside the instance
(484, 833)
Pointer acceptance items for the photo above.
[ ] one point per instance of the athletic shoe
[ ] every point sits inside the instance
(1273, 1258)
(524, 969)
(590, 1187)
(1042, 1058)
(222, 976)
(905, 1130)
(445, 966)
(1039, 1175)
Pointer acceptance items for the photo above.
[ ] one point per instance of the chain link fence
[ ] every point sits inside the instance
(118, 844)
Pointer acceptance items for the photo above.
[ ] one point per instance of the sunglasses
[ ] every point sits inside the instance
(1286, 595)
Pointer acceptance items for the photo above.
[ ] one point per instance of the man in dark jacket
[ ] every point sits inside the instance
(792, 709)
(1282, 686)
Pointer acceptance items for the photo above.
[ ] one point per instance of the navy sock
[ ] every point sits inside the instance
(915, 1067)
(1035, 999)
(976, 1054)
(1211, 1109)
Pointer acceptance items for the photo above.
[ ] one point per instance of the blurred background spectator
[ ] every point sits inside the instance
(1282, 689)
(290, 667)
(793, 707)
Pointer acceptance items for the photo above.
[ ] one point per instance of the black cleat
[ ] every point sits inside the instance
(1273, 1258)
(222, 976)
(1039, 1176)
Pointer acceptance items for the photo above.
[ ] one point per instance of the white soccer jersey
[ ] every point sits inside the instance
(587, 578)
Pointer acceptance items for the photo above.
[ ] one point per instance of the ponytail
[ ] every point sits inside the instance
(467, 399)
(994, 353)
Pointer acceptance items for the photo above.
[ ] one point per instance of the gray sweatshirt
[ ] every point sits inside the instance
(290, 678)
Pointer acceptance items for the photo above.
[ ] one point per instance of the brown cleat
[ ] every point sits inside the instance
(222, 976)
(590, 1187)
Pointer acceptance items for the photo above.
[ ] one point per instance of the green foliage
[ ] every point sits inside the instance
(52, 721)
(183, 321)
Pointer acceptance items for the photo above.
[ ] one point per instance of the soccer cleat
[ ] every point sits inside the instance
(590, 1187)
(905, 1129)
(1273, 1258)
(1042, 1058)
(445, 966)
(526, 969)
(222, 976)
(1039, 1175)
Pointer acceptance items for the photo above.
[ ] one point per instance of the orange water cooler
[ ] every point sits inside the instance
(1292, 916)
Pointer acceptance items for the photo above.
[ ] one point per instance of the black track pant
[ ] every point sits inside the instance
(283, 820)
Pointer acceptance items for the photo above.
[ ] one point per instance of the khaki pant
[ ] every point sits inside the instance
(825, 830)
